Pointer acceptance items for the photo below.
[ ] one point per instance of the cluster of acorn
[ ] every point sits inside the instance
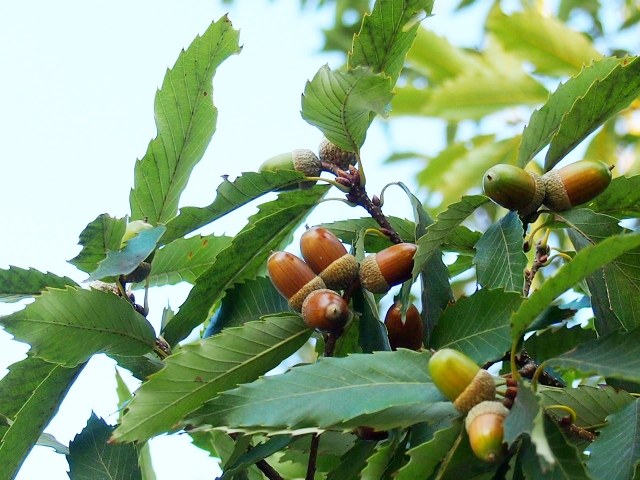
(311, 285)
(472, 391)
(524, 192)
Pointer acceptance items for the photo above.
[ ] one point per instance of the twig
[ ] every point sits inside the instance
(541, 258)
(313, 456)
(268, 470)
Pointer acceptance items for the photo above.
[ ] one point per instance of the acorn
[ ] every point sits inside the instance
(328, 258)
(140, 273)
(391, 266)
(331, 153)
(301, 159)
(513, 188)
(133, 229)
(292, 278)
(460, 380)
(325, 310)
(407, 334)
(485, 430)
(575, 184)
(370, 434)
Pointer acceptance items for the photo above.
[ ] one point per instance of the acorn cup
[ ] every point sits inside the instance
(575, 184)
(331, 153)
(391, 266)
(460, 380)
(292, 278)
(513, 188)
(485, 430)
(325, 310)
(328, 258)
(407, 334)
(301, 159)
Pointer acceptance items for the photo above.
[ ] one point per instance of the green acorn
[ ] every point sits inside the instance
(513, 188)
(575, 184)
(301, 159)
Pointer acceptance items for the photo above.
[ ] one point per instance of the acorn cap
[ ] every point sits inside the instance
(513, 188)
(298, 299)
(575, 184)
(331, 153)
(325, 310)
(341, 273)
(481, 388)
(407, 334)
(301, 159)
(391, 266)
(484, 424)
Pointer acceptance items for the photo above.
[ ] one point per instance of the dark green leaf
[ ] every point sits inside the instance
(186, 120)
(229, 196)
(621, 199)
(346, 231)
(30, 395)
(69, 326)
(246, 256)
(92, 458)
(343, 104)
(500, 260)
(478, 325)
(461, 462)
(201, 370)
(353, 461)
(140, 367)
(556, 341)
(18, 283)
(255, 454)
(98, 238)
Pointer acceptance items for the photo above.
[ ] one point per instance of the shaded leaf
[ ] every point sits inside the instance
(102, 235)
(92, 458)
(255, 454)
(343, 104)
(478, 325)
(229, 196)
(621, 199)
(500, 260)
(201, 370)
(385, 36)
(556, 341)
(620, 440)
(185, 119)
(346, 231)
(48, 440)
(18, 283)
(246, 255)
(583, 264)
(461, 462)
(125, 261)
(222, 446)
(352, 462)
(383, 390)
(605, 98)
(142, 366)
(69, 326)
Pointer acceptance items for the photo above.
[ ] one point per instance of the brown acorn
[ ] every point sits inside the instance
(331, 153)
(407, 334)
(325, 310)
(301, 159)
(460, 380)
(328, 258)
(485, 430)
(292, 278)
(575, 184)
(391, 266)
(513, 188)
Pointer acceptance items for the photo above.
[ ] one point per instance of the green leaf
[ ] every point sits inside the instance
(424, 458)
(352, 462)
(91, 457)
(385, 36)
(48, 440)
(69, 326)
(185, 259)
(247, 301)
(446, 224)
(604, 99)
(545, 41)
(583, 264)
(186, 120)
(343, 104)
(500, 260)
(125, 261)
(18, 283)
(255, 454)
(140, 367)
(478, 325)
(460, 462)
(30, 395)
(222, 446)
(592, 405)
(346, 230)
(229, 196)
(102, 235)
(244, 258)
(200, 371)
(615, 355)
(620, 441)
(378, 463)
(556, 341)
(544, 123)
(384, 390)
(621, 199)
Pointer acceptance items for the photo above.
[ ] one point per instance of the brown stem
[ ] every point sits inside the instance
(313, 456)
(542, 255)
(572, 429)
(268, 470)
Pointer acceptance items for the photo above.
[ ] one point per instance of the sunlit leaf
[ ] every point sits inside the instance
(186, 120)
(98, 238)
(18, 283)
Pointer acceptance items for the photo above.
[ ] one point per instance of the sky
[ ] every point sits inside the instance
(77, 91)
